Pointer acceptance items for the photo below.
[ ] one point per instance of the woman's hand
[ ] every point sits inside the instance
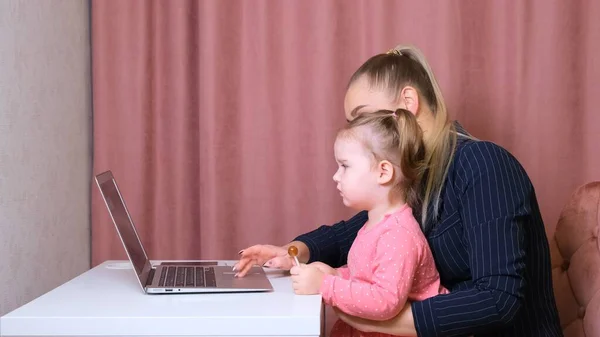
(268, 255)
(307, 279)
(401, 325)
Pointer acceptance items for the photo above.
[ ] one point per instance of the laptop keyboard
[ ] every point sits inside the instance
(187, 277)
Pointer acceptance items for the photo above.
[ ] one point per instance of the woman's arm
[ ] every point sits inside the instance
(401, 325)
(496, 206)
(330, 244)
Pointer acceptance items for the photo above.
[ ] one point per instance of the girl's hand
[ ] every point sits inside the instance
(306, 279)
(326, 269)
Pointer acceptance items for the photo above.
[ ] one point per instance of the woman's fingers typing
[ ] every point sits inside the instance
(258, 255)
(244, 269)
(248, 258)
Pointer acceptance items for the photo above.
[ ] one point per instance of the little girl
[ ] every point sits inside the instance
(381, 161)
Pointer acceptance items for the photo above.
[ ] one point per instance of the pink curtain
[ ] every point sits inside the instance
(218, 117)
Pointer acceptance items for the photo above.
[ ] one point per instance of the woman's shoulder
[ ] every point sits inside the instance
(470, 148)
(478, 159)
(474, 150)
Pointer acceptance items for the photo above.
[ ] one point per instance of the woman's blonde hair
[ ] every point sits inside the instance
(406, 66)
(394, 136)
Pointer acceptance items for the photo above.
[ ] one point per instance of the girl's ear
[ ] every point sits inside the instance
(385, 169)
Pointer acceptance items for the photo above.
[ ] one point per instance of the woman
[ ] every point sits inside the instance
(479, 213)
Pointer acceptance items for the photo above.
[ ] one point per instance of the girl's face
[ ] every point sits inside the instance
(356, 176)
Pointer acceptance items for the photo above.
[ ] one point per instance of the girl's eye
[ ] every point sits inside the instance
(344, 166)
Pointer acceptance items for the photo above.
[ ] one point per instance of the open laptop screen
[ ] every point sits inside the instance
(120, 216)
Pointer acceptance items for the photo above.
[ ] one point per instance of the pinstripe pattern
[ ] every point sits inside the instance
(490, 248)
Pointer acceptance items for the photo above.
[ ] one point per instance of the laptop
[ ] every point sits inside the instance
(173, 277)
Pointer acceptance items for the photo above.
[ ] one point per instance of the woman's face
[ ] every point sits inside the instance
(361, 97)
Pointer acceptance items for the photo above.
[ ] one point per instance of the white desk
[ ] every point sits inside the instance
(108, 301)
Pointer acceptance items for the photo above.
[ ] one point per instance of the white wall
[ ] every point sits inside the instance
(45, 146)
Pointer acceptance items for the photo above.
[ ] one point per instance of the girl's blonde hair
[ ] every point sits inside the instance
(406, 66)
(397, 138)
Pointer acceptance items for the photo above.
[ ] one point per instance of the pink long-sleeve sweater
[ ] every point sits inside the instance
(388, 264)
